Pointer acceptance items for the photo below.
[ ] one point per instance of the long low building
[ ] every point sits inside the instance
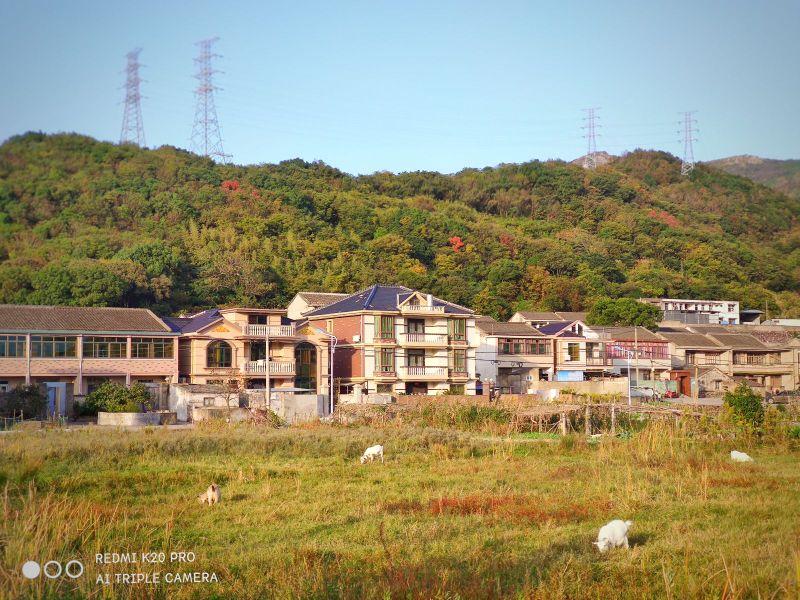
(72, 350)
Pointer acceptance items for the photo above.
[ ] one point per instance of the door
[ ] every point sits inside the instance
(414, 387)
(52, 396)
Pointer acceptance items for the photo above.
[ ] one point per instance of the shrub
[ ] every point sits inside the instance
(113, 397)
(746, 405)
(29, 399)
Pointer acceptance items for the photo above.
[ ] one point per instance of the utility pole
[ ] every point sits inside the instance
(590, 160)
(132, 126)
(266, 363)
(206, 134)
(688, 130)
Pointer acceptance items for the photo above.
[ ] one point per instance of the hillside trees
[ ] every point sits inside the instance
(86, 222)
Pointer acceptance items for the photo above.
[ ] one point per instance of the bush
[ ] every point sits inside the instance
(747, 406)
(113, 397)
(29, 399)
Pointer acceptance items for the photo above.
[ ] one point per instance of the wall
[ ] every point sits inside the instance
(133, 419)
(607, 386)
(299, 408)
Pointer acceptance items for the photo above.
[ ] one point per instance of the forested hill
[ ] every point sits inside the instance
(782, 175)
(90, 223)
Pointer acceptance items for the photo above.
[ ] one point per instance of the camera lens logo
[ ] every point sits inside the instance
(53, 569)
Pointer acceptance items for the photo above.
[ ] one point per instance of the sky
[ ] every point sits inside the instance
(413, 85)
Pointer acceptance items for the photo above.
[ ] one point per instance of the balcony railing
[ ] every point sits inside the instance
(276, 367)
(417, 309)
(269, 330)
(755, 359)
(424, 339)
(425, 372)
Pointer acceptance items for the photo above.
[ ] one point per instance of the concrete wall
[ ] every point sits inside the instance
(131, 419)
(183, 398)
(607, 386)
(299, 408)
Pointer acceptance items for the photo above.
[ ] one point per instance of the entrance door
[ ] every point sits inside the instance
(52, 395)
(305, 360)
(416, 387)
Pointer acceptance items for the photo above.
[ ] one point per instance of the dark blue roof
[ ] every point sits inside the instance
(383, 298)
(192, 324)
(555, 328)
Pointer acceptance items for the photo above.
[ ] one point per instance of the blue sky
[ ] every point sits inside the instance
(412, 85)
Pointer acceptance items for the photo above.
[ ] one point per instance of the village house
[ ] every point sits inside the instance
(238, 345)
(392, 339)
(638, 349)
(511, 355)
(697, 312)
(737, 356)
(73, 350)
(305, 302)
(578, 352)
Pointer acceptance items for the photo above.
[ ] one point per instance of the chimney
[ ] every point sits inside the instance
(430, 299)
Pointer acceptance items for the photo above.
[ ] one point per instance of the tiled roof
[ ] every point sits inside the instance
(552, 316)
(380, 298)
(19, 317)
(320, 299)
(640, 334)
(685, 339)
(492, 327)
(557, 328)
(195, 322)
(739, 341)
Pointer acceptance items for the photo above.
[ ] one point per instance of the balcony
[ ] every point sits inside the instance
(422, 309)
(424, 373)
(385, 374)
(273, 331)
(279, 368)
(424, 340)
(459, 374)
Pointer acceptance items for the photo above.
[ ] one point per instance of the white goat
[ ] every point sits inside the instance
(212, 495)
(613, 535)
(737, 456)
(372, 453)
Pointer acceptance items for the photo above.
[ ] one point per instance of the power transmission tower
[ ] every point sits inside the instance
(132, 126)
(688, 130)
(590, 160)
(206, 135)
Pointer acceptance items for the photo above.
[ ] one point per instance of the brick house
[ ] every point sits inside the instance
(392, 339)
(72, 350)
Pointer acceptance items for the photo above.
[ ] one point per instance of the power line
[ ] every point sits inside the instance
(590, 160)
(132, 126)
(688, 130)
(206, 134)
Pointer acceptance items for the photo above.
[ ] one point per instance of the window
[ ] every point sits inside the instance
(12, 346)
(456, 329)
(219, 355)
(573, 352)
(387, 360)
(415, 326)
(457, 361)
(329, 325)
(385, 388)
(415, 358)
(386, 330)
(457, 389)
(257, 319)
(105, 347)
(208, 401)
(53, 346)
(152, 348)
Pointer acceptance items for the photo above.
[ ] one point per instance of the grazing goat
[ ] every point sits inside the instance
(737, 456)
(212, 495)
(613, 535)
(372, 453)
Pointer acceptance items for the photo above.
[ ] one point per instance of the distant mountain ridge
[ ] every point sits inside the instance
(781, 175)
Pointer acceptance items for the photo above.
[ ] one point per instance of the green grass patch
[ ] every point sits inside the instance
(451, 514)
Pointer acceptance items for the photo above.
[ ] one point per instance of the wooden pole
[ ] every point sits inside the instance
(613, 419)
(563, 423)
(588, 421)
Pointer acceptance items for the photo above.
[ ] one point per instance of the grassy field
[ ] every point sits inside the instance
(449, 515)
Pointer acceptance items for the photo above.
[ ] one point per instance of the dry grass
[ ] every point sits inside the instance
(450, 515)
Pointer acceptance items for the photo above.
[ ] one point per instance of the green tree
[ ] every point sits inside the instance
(622, 312)
(29, 400)
(747, 406)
